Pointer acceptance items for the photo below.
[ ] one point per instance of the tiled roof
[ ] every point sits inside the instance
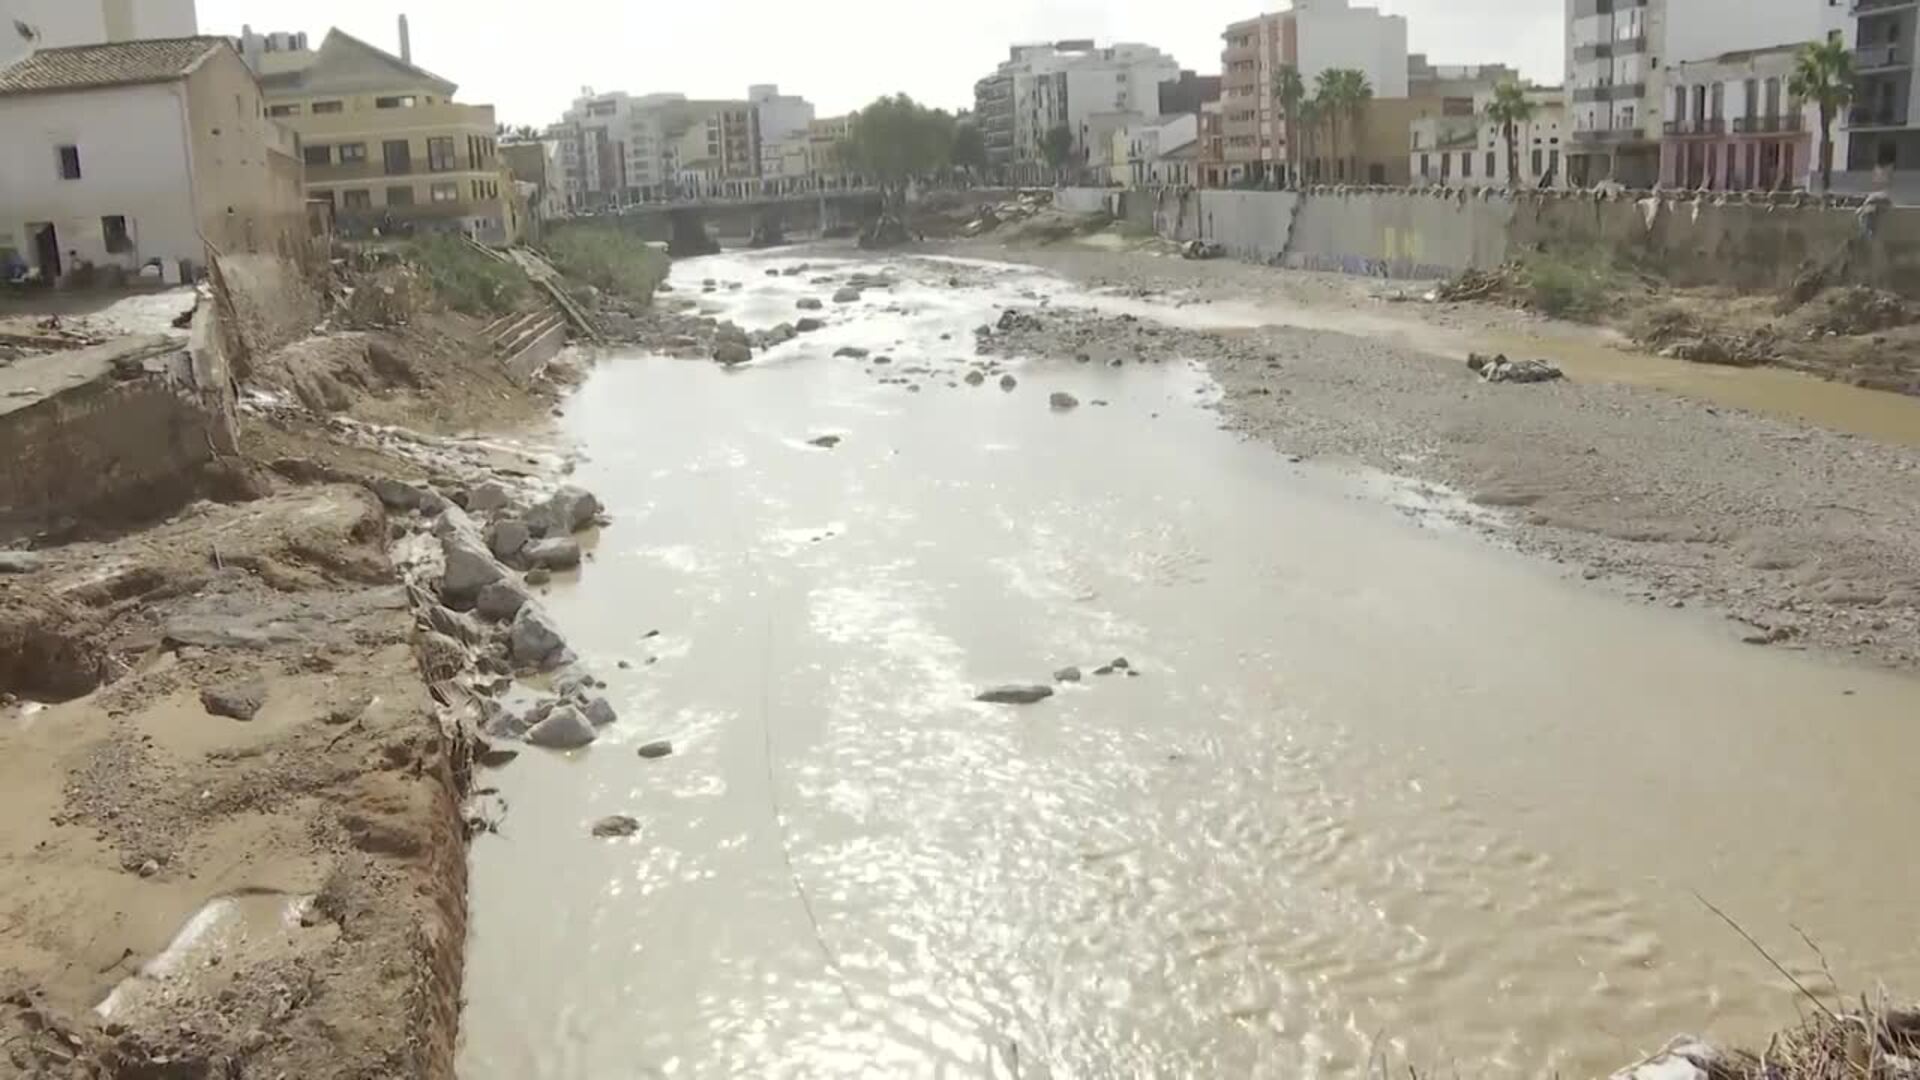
(122, 63)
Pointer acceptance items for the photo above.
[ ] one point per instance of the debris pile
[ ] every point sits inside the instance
(1017, 209)
(1499, 369)
(1201, 249)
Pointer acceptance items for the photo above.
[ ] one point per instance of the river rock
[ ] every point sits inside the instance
(470, 567)
(489, 497)
(853, 352)
(809, 325)
(563, 729)
(824, 442)
(501, 600)
(1015, 695)
(809, 303)
(554, 553)
(1008, 382)
(846, 296)
(538, 576)
(237, 701)
(599, 712)
(565, 511)
(507, 538)
(1685, 1058)
(19, 562)
(659, 748)
(397, 495)
(1067, 674)
(731, 353)
(975, 378)
(460, 628)
(1060, 400)
(532, 641)
(618, 825)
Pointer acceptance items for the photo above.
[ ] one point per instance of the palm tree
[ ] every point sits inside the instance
(1355, 93)
(1327, 91)
(1290, 91)
(1311, 115)
(1823, 74)
(1343, 92)
(1510, 109)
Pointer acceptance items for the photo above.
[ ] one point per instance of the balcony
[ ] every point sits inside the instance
(1611, 92)
(1880, 7)
(1698, 127)
(1880, 58)
(1789, 124)
(1609, 135)
(1869, 117)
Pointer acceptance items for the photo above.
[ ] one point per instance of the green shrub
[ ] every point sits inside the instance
(610, 259)
(467, 279)
(1571, 285)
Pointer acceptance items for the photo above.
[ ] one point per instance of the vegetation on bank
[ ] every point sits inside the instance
(468, 279)
(609, 259)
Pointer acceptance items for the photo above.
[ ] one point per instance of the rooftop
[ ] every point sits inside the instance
(125, 63)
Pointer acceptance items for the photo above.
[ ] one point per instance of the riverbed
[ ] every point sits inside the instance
(1370, 781)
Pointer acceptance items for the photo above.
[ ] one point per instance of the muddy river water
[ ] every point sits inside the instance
(1380, 786)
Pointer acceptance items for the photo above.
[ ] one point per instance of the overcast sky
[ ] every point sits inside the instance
(529, 59)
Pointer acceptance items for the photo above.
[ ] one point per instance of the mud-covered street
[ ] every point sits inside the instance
(1379, 708)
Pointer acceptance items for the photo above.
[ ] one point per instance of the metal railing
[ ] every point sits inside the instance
(1867, 116)
(1705, 125)
(1787, 123)
(1875, 57)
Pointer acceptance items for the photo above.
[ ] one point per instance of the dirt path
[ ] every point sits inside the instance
(1808, 537)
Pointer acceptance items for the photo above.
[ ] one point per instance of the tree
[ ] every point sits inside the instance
(1327, 101)
(1057, 148)
(1312, 117)
(1510, 109)
(1823, 74)
(896, 139)
(969, 148)
(1290, 90)
(1354, 94)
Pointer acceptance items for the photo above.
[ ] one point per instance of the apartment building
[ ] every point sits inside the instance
(1312, 37)
(1074, 84)
(27, 25)
(1426, 79)
(1619, 53)
(826, 141)
(717, 153)
(780, 127)
(1459, 147)
(1880, 143)
(618, 148)
(384, 143)
(133, 157)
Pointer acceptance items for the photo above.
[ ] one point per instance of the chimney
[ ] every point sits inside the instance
(406, 42)
(250, 47)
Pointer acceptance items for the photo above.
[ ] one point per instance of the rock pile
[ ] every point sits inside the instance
(1499, 369)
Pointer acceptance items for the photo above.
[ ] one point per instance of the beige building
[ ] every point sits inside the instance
(135, 158)
(384, 143)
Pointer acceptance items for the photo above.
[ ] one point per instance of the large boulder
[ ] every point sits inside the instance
(501, 600)
(489, 497)
(599, 712)
(1015, 695)
(398, 495)
(506, 538)
(533, 641)
(563, 729)
(846, 296)
(809, 303)
(239, 701)
(553, 553)
(808, 326)
(565, 511)
(731, 353)
(470, 567)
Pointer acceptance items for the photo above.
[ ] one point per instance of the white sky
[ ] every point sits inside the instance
(530, 59)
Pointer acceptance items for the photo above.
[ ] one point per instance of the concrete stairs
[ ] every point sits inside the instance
(526, 340)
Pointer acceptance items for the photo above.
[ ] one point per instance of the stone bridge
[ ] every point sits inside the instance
(697, 227)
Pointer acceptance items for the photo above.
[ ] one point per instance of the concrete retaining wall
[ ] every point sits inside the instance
(1087, 200)
(1424, 234)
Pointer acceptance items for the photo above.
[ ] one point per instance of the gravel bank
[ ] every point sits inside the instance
(1807, 537)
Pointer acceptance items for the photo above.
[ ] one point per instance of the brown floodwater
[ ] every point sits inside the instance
(1381, 785)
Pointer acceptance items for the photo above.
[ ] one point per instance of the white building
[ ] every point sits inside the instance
(780, 121)
(1617, 53)
(136, 156)
(1090, 91)
(1471, 151)
(1334, 34)
(26, 25)
(616, 148)
(1155, 152)
(1878, 146)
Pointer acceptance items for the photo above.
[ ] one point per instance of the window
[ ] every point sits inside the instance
(352, 152)
(1553, 161)
(69, 162)
(322, 108)
(317, 155)
(400, 196)
(1466, 166)
(283, 110)
(324, 196)
(1535, 163)
(1425, 169)
(440, 154)
(405, 101)
(1492, 166)
(444, 193)
(397, 155)
(357, 199)
(113, 229)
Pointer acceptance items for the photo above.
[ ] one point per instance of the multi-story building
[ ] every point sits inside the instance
(615, 148)
(1088, 90)
(1155, 153)
(137, 157)
(27, 25)
(780, 125)
(1619, 53)
(1314, 36)
(1460, 147)
(826, 151)
(1426, 79)
(717, 154)
(1733, 125)
(1879, 146)
(384, 143)
(1188, 93)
